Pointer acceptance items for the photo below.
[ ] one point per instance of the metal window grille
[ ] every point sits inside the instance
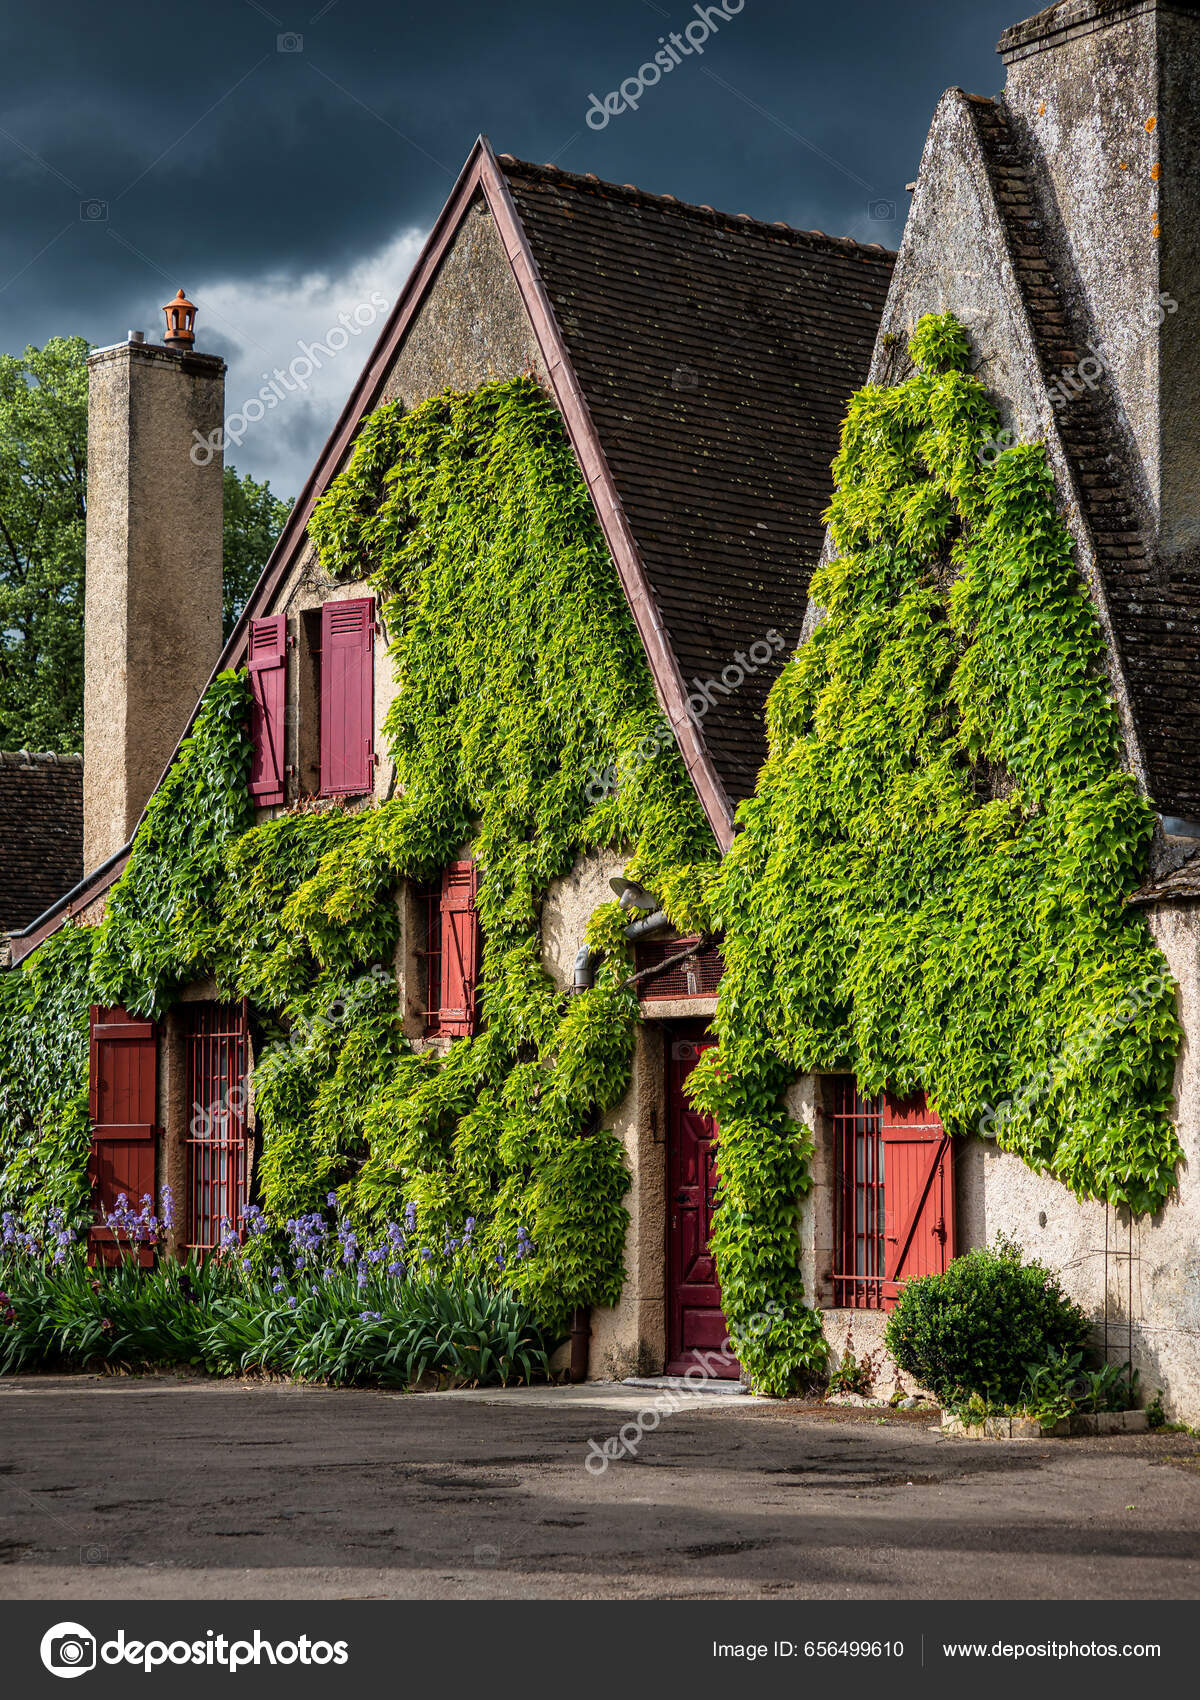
(860, 1218)
(430, 953)
(698, 977)
(218, 1148)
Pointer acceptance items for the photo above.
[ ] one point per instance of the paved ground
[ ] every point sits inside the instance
(164, 1489)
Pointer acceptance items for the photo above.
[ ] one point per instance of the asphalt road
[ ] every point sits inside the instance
(172, 1489)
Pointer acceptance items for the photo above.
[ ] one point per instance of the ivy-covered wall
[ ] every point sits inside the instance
(927, 889)
(518, 677)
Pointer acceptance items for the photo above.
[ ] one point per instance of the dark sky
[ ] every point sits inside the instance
(280, 161)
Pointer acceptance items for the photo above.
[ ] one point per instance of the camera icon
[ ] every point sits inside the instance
(685, 378)
(489, 1557)
(884, 210)
(93, 1555)
(68, 1649)
(93, 212)
(289, 42)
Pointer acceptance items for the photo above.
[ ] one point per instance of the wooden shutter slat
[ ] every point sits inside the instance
(122, 1101)
(460, 949)
(347, 697)
(919, 1181)
(267, 664)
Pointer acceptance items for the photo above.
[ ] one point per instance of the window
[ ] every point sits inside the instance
(451, 951)
(894, 1195)
(267, 663)
(217, 1142)
(698, 977)
(347, 697)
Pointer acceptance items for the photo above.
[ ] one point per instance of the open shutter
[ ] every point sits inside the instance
(267, 662)
(122, 1098)
(460, 949)
(918, 1167)
(347, 697)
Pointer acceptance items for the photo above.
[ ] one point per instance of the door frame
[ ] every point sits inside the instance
(696, 1030)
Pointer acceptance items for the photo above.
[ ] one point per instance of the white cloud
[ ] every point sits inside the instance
(262, 327)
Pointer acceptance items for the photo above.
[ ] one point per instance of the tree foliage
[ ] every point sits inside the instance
(43, 500)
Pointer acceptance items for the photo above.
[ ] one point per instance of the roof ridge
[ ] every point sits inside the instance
(588, 182)
(30, 758)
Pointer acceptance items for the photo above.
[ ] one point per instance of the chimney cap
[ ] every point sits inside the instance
(1070, 18)
(181, 320)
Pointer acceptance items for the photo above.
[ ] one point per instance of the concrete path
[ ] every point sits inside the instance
(175, 1489)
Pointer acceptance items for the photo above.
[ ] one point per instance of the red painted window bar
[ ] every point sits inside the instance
(860, 1221)
(218, 1147)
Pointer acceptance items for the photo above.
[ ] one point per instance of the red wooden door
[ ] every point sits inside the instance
(122, 1100)
(696, 1324)
(347, 697)
(919, 1171)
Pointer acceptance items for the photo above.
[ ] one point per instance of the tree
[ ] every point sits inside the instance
(43, 475)
(254, 517)
(43, 482)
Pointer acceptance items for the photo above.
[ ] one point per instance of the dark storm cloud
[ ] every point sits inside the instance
(144, 146)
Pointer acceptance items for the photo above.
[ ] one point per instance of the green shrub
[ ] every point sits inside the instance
(977, 1328)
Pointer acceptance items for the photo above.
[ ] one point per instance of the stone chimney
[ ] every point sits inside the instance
(1103, 93)
(152, 606)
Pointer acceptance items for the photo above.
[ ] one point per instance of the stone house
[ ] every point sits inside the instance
(701, 365)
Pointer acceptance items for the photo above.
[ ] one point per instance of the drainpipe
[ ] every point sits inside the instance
(588, 960)
(581, 1333)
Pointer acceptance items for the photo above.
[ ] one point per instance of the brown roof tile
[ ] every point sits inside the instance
(717, 355)
(41, 833)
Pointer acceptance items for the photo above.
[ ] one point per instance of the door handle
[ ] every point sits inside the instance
(681, 1197)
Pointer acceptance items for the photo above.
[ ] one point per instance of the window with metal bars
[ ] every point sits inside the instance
(698, 977)
(450, 951)
(893, 1166)
(218, 1141)
(860, 1252)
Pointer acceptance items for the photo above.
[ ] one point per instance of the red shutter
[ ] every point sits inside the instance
(459, 949)
(918, 1167)
(268, 675)
(347, 697)
(123, 1088)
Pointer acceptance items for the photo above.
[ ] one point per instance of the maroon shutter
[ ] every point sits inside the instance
(918, 1166)
(122, 1100)
(268, 675)
(459, 949)
(347, 697)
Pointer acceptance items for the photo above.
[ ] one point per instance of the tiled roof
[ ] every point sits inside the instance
(41, 833)
(1154, 606)
(716, 355)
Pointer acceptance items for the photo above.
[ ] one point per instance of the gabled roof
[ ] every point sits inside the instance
(717, 355)
(41, 832)
(702, 363)
(1151, 613)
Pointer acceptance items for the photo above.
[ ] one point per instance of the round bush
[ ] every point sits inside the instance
(978, 1327)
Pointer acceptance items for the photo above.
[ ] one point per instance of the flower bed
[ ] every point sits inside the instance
(308, 1302)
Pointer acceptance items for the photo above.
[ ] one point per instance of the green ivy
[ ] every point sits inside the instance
(520, 684)
(928, 889)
